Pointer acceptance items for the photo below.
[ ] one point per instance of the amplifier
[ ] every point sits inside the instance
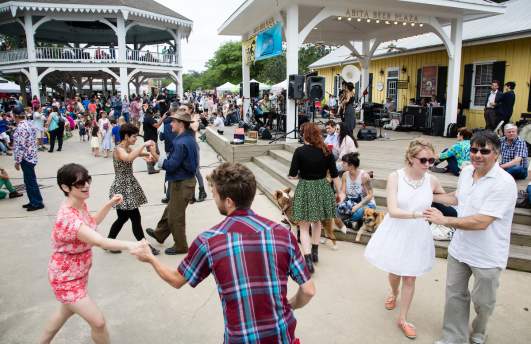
(367, 134)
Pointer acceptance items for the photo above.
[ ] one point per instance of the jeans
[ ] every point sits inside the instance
(126, 117)
(518, 172)
(344, 209)
(30, 180)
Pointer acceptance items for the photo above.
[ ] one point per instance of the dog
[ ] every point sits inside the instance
(371, 220)
(285, 203)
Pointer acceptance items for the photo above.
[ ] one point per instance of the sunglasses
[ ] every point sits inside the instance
(483, 151)
(423, 161)
(78, 184)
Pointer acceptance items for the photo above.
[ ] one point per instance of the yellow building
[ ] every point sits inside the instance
(495, 48)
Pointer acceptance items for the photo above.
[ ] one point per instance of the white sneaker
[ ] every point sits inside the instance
(343, 229)
(323, 240)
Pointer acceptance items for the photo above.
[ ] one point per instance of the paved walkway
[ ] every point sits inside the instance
(140, 308)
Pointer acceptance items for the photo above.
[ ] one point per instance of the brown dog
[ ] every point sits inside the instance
(371, 220)
(285, 202)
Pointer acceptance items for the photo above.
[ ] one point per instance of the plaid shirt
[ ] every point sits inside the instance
(25, 143)
(251, 258)
(511, 151)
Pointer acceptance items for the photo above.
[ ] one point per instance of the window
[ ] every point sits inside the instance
(481, 84)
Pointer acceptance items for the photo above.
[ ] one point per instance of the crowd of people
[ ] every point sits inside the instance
(330, 185)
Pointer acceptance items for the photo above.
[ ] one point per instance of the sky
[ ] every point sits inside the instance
(207, 17)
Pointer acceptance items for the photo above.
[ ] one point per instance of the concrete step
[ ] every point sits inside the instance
(265, 182)
(276, 168)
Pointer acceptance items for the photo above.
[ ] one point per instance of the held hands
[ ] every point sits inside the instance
(434, 215)
(149, 143)
(116, 199)
(142, 251)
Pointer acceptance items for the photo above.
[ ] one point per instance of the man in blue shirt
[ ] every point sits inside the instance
(513, 153)
(180, 166)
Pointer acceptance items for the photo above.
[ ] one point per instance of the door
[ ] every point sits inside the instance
(392, 90)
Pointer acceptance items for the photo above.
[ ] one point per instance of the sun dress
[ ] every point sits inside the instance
(71, 259)
(125, 183)
(405, 247)
(106, 134)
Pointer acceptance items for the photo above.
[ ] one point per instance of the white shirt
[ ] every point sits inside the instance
(494, 195)
(219, 124)
(492, 99)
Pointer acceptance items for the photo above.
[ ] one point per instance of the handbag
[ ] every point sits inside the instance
(522, 200)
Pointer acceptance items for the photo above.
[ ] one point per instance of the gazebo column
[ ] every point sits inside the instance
(292, 63)
(180, 90)
(124, 82)
(91, 86)
(120, 33)
(30, 46)
(113, 85)
(454, 70)
(104, 88)
(365, 64)
(245, 84)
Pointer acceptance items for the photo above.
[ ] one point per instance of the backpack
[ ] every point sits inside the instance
(522, 200)
(60, 120)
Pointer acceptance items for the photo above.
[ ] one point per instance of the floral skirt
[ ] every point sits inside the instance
(314, 201)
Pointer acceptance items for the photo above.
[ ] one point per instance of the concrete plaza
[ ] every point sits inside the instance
(140, 308)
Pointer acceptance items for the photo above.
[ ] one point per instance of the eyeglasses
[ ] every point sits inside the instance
(483, 151)
(423, 161)
(78, 184)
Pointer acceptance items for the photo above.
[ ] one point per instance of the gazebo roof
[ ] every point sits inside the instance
(144, 5)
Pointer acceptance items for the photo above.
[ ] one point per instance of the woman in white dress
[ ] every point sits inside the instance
(106, 134)
(403, 245)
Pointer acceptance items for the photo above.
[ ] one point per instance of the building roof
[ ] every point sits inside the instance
(516, 21)
(143, 5)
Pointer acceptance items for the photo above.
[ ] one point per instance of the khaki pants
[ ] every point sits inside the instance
(173, 219)
(458, 297)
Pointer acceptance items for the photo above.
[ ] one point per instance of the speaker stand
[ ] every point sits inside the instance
(294, 131)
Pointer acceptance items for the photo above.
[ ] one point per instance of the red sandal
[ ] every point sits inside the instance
(408, 329)
(390, 303)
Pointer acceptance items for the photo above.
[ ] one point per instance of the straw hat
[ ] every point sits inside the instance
(181, 116)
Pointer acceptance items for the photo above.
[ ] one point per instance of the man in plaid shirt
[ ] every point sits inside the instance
(251, 258)
(513, 153)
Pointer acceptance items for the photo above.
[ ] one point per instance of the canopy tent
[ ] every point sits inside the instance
(261, 85)
(278, 88)
(172, 87)
(227, 87)
(8, 86)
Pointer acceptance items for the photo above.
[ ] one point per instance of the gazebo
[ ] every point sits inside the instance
(75, 42)
(361, 25)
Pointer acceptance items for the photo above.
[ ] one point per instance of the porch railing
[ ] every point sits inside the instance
(93, 55)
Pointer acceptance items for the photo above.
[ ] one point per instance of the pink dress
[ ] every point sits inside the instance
(71, 258)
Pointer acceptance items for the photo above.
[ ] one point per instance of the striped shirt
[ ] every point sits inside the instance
(251, 258)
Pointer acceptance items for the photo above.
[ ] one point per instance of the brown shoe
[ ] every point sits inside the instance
(152, 234)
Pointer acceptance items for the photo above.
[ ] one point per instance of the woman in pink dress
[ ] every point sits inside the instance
(73, 236)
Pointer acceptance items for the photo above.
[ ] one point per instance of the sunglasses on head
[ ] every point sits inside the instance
(483, 151)
(78, 184)
(423, 161)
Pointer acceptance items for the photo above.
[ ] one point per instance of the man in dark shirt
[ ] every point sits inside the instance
(180, 167)
(507, 102)
(150, 126)
(250, 258)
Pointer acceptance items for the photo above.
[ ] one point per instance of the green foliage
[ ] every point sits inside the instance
(226, 65)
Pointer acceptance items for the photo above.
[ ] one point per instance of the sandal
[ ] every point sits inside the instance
(408, 329)
(390, 303)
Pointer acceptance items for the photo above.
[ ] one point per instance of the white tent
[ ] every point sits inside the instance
(8, 86)
(261, 85)
(278, 88)
(171, 87)
(226, 87)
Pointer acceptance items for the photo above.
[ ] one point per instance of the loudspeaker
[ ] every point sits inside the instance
(296, 86)
(367, 134)
(315, 87)
(241, 89)
(437, 126)
(254, 90)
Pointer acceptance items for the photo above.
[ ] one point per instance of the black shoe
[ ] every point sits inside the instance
(151, 233)
(202, 195)
(315, 253)
(173, 251)
(164, 200)
(26, 206)
(154, 171)
(154, 250)
(309, 263)
(50, 151)
(193, 200)
(115, 251)
(15, 194)
(32, 208)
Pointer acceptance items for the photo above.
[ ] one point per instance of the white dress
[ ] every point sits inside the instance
(405, 247)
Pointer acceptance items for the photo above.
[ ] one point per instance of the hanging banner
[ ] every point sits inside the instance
(249, 47)
(428, 86)
(269, 43)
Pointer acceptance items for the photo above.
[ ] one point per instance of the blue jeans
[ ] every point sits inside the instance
(30, 180)
(518, 172)
(452, 165)
(529, 193)
(126, 116)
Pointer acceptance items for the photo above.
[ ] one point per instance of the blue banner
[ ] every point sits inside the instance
(269, 43)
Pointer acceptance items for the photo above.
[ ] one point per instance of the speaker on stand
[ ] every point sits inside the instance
(315, 89)
(254, 90)
(295, 92)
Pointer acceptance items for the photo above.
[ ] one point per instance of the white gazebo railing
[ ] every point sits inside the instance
(92, 55)
(13, 55)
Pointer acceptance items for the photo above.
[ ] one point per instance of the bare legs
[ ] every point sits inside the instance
(408, 290)
(306, 241)
(87, 309)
